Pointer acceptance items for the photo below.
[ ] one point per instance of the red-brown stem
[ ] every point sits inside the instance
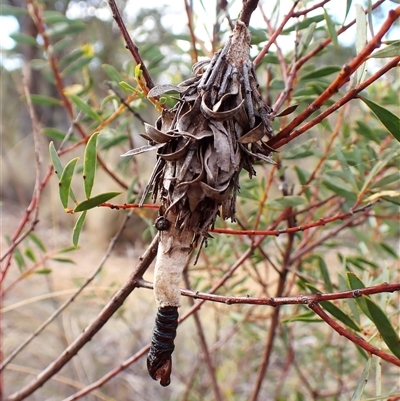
(294, 300)
(38, 20)
(130, 45)
(307, 10)
(353, 337)
(340, 80)
(272, 39)
(321, 222)
(351, 94)
(189, 14)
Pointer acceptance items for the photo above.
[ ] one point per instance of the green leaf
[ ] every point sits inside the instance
(85, 107)
(37, 241)
(95, 201)
(303, 317)
(355, 284)
(331, 29)
(67, 26)
(303, 24)
(340, 189)
(340, 315)
(6, 10)
(334, 310)
(89, 164)
(57, 134)
(287, 201)
(348, 5)
(77, 65)
(58, 168)
(361, 36)
(325, 274)
(393, 50)
(386, 117)
(303, 176)
(362, 382)
(46, 100)
(78, 228)
(112, 73)
(64, 260)
(306, 39)
(65, 181)
(346, 168)
(43, 271)
(322, 72)
(19, 259)
(23, 39)
(30, 255)
(385, 328)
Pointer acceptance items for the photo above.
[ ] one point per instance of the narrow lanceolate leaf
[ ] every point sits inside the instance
(89, 164)
(23, 39)
(340, 315)
(393, 50)
(95, 201)
(287, 201)
(385, 328)
(78, 228)
(386, 117)
(348, 5)
(361, 36)
(65, 182)
(306, 39)
(331, 29)
(83, 106)
(322, 72)
(58, 168)
(325, 274)
(45, 100)
(37, 241)
(335, 311)
(362, 382)
(112, 73)
(355, 284)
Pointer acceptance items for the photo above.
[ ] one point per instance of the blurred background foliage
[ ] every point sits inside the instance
(343, 163)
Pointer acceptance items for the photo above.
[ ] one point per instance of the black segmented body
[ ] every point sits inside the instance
(162, 344)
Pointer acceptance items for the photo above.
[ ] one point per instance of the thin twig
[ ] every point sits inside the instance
(353, 337)
(189, 13)
(72, 298)
(114, 304)
(341, 79)
(272, 39)
(131, 46)
(351, 94)
(204, 347)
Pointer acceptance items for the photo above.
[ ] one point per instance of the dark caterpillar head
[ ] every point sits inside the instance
(162, 224)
